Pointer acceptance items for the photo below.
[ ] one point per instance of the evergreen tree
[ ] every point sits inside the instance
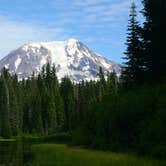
(50, 114)
(58, 100)
(67, 92)
(20, 99)
(154, 37)
(37, 115)
(14, 110)
(112, 83)
(5, 130)
(133, 70)
(27, 113)
(14, 116)
(101, 84)
(102, 78)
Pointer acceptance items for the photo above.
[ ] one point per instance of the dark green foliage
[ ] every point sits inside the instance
(145, 54)
(128, 121)
(133, 70)
(5, 130)
(37, 125)
(67, 92)
(14, 106)
(35, 105)
(153, 34)
(58, 138)
(96, 114)
(101, 84)
(112, 84)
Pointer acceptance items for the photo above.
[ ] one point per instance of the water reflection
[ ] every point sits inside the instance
(14, 154)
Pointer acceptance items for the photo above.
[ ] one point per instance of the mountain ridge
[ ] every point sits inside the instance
(70, 57)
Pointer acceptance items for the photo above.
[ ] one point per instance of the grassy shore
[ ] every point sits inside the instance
(7, 140)
(61, 155)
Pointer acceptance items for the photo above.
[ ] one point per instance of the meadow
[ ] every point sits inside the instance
(62, 155)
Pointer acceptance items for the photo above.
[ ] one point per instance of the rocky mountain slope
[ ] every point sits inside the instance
(71, 58)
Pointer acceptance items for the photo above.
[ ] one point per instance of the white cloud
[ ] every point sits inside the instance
(15, 33)
(94, 12)
(107, 13)
(89, 2)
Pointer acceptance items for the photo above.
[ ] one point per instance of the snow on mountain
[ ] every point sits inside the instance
(71, 58)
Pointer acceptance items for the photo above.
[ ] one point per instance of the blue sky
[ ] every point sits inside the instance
(100, 24)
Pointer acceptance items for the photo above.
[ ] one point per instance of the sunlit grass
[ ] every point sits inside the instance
(61, 155)
(7, 140)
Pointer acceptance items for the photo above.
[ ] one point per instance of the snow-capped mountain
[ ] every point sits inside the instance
(71, 58)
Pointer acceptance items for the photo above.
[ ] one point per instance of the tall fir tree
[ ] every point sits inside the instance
(14, 110)
(154, 36)
(55, 88)
(101, 84)
(5, 130)
(67, 92)
(133, 69)
(47, 84)
(112, 83)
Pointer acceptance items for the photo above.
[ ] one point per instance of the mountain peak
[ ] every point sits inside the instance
(72, 40)
(70, 58)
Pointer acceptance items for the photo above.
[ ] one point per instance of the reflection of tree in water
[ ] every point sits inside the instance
(14, 154)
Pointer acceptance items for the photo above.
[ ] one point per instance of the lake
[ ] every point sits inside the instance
(15, 153)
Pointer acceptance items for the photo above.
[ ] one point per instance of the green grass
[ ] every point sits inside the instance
(7, 140)
(21, 137)
(61, 155)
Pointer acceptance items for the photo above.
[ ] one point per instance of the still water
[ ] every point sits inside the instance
(15, 154)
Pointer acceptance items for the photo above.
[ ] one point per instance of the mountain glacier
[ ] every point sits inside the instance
(71, 58)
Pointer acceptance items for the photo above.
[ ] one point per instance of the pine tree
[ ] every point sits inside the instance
(20, 102)
(48, 76)
(133, 70)
(12, 85)
(67, 92)
(55, 88)
(112, 83)
(102, 78)
(154, 37)
(101, 84)
(50, 114)
(14, 106)
(37, 114)
(5, 130)
(26, 106)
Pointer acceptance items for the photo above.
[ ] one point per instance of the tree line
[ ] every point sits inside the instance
(42, 105)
